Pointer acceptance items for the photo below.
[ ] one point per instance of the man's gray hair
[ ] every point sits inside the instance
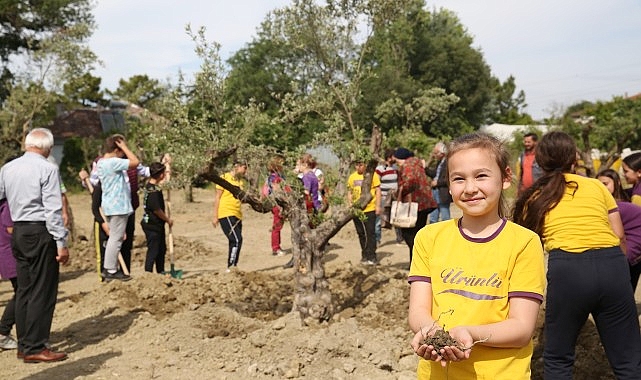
(441, 147)
(40, 138)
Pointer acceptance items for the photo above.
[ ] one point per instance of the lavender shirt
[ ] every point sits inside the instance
(310, 182)
(631, 218)
(7, 261)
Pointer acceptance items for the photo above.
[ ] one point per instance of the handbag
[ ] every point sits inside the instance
(404, 214)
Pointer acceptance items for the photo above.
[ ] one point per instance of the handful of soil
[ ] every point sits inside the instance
(440, 339)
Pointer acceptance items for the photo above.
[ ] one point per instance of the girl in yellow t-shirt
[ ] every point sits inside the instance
(580, 225)
(480, 276)
(228, 214)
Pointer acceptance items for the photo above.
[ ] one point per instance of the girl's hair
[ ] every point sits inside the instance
(494, 147)
(555, 154)
(633, 161)
(110, 142)
(275, 165)
(619, 192)
(308, 160)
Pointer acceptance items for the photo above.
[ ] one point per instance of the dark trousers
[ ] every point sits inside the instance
(38, 274)
(595, 282)
(100, 242)
(128, 243)
(156, 250)
(233, 229)
(366, 230)
(9, 315)
(410, 233)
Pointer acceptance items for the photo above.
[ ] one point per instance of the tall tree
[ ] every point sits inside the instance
(331, 43)
(39, 80)
(609, 126)
(27, 25)
(508, 107)
(416, 50)
(84, 90)
(140, 90)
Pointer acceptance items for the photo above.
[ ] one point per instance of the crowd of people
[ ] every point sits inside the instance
(482, 275)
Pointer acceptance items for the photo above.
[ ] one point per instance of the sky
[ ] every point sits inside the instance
(560, 52)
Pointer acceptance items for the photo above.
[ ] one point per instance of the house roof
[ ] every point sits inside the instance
(87, 122)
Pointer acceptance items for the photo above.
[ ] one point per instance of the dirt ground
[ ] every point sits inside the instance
(239, 325)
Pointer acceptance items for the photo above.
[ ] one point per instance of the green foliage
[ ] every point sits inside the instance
(140, 90)
(29, 105)
(72, 161)
(30, 26)
(415, 50)
(414, 140)
(507, 108)
(50, 36)
(192, 125)
(84, 90)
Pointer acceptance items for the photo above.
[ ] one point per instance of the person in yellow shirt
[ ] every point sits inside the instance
(580, 225)
(365, 224)
(480, 276)
(228, 213)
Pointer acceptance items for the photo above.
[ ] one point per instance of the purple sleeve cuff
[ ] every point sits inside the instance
(411, 279)
(534, 296)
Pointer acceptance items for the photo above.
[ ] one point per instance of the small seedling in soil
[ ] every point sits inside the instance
(442, 338)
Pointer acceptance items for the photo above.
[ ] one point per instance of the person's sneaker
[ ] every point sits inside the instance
(368, 262)
(279, 252)
(290, 264)
(119, 275)
(7, 342)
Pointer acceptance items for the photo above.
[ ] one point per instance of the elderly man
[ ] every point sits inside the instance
(31, 186)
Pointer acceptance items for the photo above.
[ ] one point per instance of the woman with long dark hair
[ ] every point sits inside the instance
(578, 220)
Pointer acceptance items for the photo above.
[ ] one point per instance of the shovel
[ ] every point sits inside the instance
(175, 273)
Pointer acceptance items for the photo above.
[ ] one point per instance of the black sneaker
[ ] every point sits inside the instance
(119, 275)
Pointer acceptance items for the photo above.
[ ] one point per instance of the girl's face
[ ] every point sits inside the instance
(476, 182)
(631, 175)
(608, 182)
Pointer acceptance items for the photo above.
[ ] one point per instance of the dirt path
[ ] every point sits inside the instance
(216, 325)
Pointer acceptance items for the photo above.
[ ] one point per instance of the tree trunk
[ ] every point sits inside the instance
(189, 194)
(312, 297)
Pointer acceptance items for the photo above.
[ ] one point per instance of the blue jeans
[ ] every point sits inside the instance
(443, 209)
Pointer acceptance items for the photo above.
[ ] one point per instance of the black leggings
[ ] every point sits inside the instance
(233, 229)
(594, 282)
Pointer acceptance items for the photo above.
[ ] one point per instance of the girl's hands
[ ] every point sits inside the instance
(447, 353)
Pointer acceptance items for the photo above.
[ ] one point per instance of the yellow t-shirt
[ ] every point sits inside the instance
(230, 206)
(354, 185)
(580, 221)
(475, 279)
